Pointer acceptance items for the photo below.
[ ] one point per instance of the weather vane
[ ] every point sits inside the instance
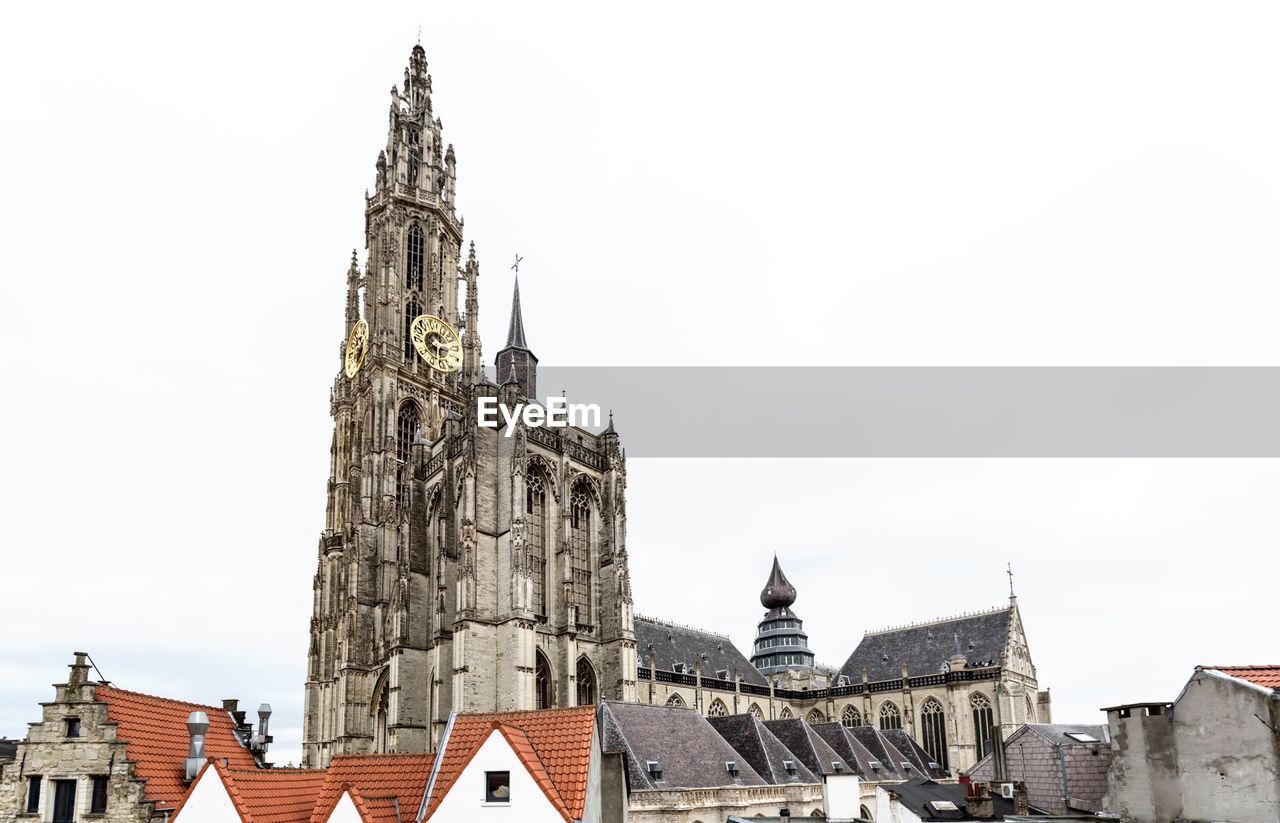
(515, 267)
(1009, 571)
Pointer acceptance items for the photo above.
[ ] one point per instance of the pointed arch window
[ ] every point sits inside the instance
(983, 721)
(412, 308)
(415, 254)
(380, 723)
(851, 718)
(580, 538)
(586, 682)
(542, 687)
(933, 731)
(785, 714)
(406, 431)
(676, 701)
(535, 514)
(815, 717)
(890, 717)
(717, 709)
(754, 711)
(1031, 709)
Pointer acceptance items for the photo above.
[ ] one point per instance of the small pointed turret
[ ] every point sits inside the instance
(515, 331)
(781, 643)
(516, 356)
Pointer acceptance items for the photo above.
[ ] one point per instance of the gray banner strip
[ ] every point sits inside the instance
(932, 412)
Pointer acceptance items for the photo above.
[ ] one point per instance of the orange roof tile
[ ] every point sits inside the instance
(155, 730)
(273, 795)
(556, 748)
(382, 783)
(1268, 677)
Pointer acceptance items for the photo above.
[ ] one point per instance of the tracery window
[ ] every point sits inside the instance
(415, 257)
(406, 431)
(933, 731)
(755, 712)
(717, 709)
(415, 156)
(411, 311)
(580, 548)
(1031, 710)
(675, 700)
(535, 510)
(816, 717)
(380, 723)
(542, 681)
(785, 714)
(890, 717)
(851, 718)
(983, 721)
(586, 683)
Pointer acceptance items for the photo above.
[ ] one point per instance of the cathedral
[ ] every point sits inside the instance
(460, 570)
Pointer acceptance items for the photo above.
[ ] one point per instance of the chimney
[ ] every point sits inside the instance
(263, 738)
(1021, 802)
(197, 725)
(978, 802)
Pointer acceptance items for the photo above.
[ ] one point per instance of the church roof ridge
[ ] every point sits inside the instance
(673, 625)
(936, 621)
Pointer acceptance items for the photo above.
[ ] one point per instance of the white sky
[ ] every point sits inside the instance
(944, 184)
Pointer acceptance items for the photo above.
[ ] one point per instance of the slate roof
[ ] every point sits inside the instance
(850, 749)
(554, 744)
(1056, 733)
(643, 733)
(812, 750)
(916, 795)
(762, 749)
(925, 648)
(155, 730)
(673, 644)
(914, 752)
(882, 751)
(1268, 677)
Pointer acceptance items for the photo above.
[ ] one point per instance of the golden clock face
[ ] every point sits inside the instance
(357, 348)
(436, 343)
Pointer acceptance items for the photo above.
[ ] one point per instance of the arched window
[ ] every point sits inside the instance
(785, 714)
(586, 683)
(717, 709)
(542, 690)
(983, 720)
(851, 718)
(755, 712)
(411, 311)
(675, 700)
(406, 431)
(865, 813)
(816, 717)
(414, 254)
(535, 510)
(890, 717)
(933, 731)
(580, 547)
(1031, 709)
(380, 722)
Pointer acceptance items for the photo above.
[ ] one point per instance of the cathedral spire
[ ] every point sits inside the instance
(515, 331)
(516, 355)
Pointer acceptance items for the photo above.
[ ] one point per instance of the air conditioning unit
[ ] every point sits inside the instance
(1006, 791)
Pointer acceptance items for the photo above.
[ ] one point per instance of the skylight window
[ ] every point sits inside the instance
(1082, 737)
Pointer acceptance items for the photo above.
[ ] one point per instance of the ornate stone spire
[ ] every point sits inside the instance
(515, 332)
(778, 592)
(516, 355)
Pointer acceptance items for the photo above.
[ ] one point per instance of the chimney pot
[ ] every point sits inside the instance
(197, 726)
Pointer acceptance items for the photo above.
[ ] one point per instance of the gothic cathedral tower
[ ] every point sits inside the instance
(459, 569)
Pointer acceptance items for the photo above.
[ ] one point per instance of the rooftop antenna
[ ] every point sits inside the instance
(101, 679)
(1009, 571)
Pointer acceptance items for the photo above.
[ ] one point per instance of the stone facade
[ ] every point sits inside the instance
(53, 757)
(459, 569)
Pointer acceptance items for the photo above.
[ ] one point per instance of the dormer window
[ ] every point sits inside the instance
(790, 766)
(655, 770)
(731, 766)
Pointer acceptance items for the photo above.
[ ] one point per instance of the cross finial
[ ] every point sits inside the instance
(419, 34)
(1009, 571)
(515, 267)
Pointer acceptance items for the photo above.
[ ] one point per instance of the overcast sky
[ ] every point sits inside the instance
(903, 184)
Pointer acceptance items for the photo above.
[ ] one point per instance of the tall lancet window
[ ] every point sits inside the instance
(541, 681)
(535, 511)
(414, 258)
(406, 430)
(415, 154)
(933, 731)
(411, 311)
(983, 720)
(580, 534)
(586, 682)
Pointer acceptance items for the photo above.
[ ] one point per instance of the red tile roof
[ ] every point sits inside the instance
(554, 744)
(381, 782)
(155, 729)
(273, 795)
(1268, 677)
